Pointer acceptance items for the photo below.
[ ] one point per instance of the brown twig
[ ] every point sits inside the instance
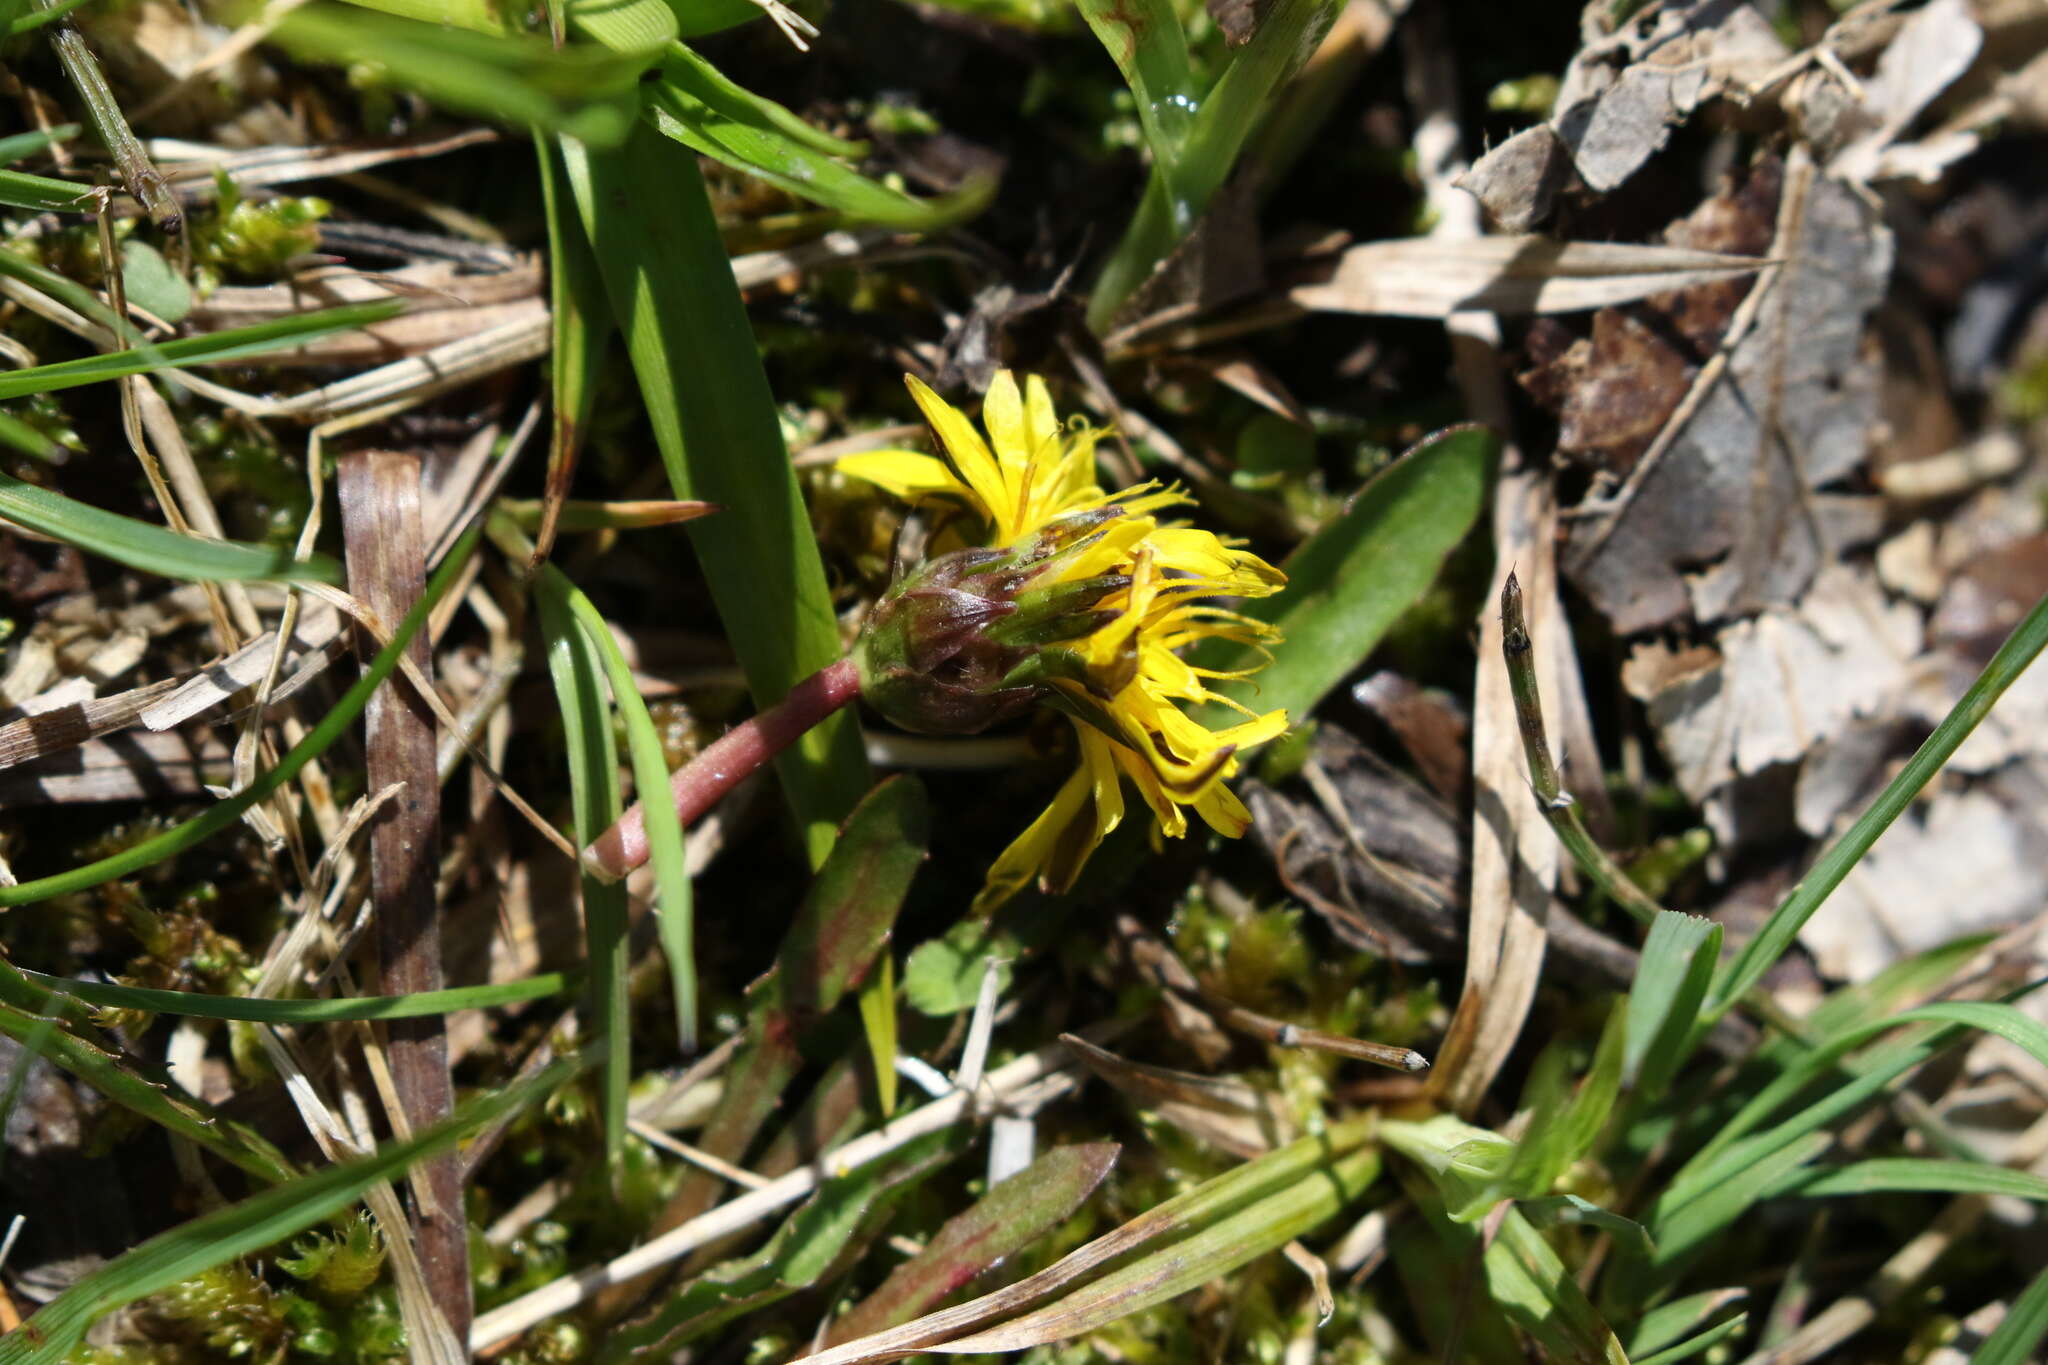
(381, 525)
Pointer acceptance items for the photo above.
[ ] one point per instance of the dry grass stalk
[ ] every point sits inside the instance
(381, 524)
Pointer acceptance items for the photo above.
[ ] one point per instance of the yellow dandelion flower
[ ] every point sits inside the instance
(1083, 600)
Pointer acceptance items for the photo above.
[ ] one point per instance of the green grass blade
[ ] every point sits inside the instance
(225, 812)
(878, 1025)
(625, 25)
(1668, 1324)
(1349, 583)
(1705, 1341)
(664, 826)
(583, 90)
(1677, 966)
(257, 1222)
(27, 1014)
(71, 294)
(1690, 1230)
(1819, 883)
(1181, 187)
(649, 221)
(13, 149)
(197, 1005)
(2012, 1342)
(41, 194)
(1920, 1175)
(579, 315)
(154, 549)
(1145, 40)
(237, 343)
(595, 804)
(704, 111)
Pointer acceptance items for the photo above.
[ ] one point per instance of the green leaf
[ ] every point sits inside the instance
(41, 194)
(151, 548)
(237, 343)
(196, 1005)
(580, 316)
(818, 1240)
(671, 285)
(151, 284)
(595, 804)
(1692, 1346)
(1351, 580)
(2014, 1340)
(1144, 39)
(698, 107)
(1558, 1210)
(1883, 1175)
(878, 1024)
(1677, 966)
(943, 975)
(1820, 881)
(257, 1222)
(1010, 1217)
(626, 25)
(1669, 1323)
(13, 149)
(225, 812)
(583, 90)
(664, 826)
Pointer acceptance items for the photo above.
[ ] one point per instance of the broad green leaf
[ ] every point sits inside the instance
(257, 1222)
(1677, 966)
(151, 284)
(595, 805)
(704, 111)
(1349, 583)
(227, 811)
(664, 826)
(154, 549)
(626, 25)
(2014, 1340)
(1827, 873)
(943, 975)
(237, 343)
(583, 90)
(195, 1005)
(649, 222)
(1015, 1214)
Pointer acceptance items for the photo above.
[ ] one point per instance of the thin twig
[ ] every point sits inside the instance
(103, 111)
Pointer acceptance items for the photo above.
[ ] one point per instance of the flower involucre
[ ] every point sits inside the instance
(1082, 600)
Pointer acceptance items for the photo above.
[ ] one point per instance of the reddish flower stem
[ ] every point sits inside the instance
(698, 785)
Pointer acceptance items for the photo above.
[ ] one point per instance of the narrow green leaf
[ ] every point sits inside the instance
(595, 804)
(237, 343)
(154, 549)
(664, 826)
(13, 149)
(1349, 583)
(29, 1016)
(41, 194)
(2014, 1340)
(1827, 873)
(1887, 1175)
(196, 1005)
(878, 1025)
(257, 1222)
(820, 1239)
(1691, 1228)
(1669, 1323)
(1705, 1341)
(40, 17)
(225, 812)
(625, 25)
(1677, 966)
(583, 90)
(1145, 40)
(701, 109)
(1012, 1216)
(580, 317)
(649, 222)
(1557, 1210)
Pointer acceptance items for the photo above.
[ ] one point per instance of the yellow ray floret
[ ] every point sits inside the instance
(1126, 696)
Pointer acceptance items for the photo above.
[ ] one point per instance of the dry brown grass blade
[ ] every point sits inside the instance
(1433, 277)
(387, 548)
(1228, 1114)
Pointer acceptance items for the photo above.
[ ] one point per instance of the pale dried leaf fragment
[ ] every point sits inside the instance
(1433, 277)
(1936, 45)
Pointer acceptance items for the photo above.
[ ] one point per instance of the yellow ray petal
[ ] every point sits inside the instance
(970, 457)
(905, 473)
(1034, 848)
